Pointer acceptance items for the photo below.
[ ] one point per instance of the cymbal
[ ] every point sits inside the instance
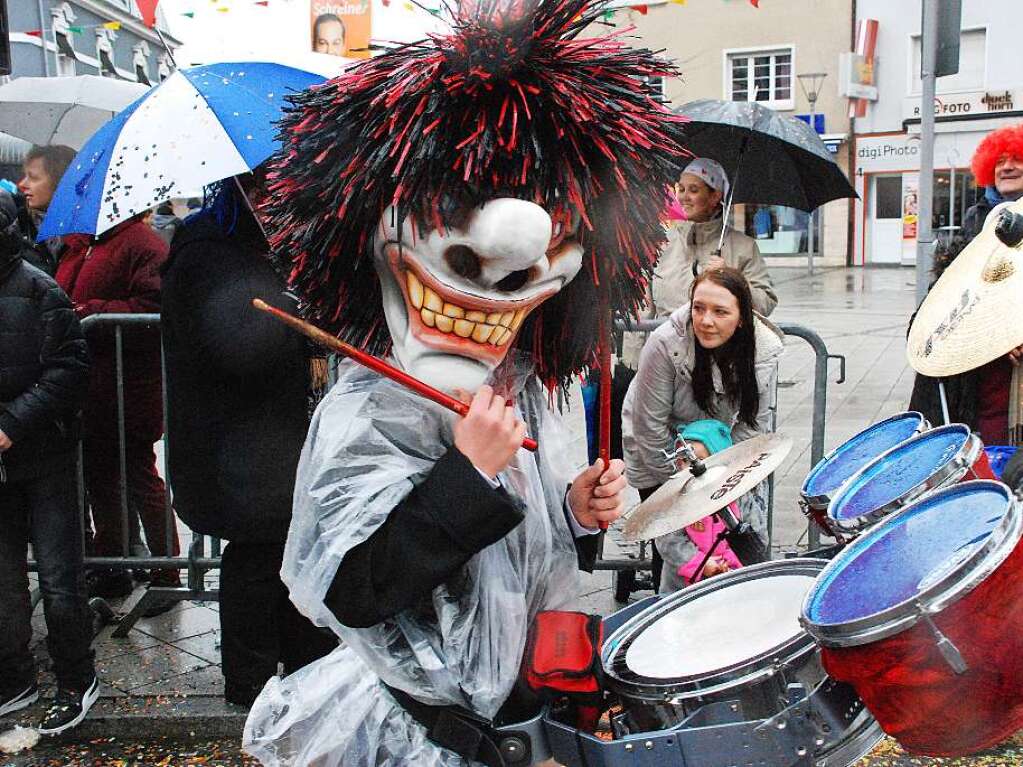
(970, 317)
(685, 499)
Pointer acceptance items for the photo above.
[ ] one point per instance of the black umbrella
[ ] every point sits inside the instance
(770, 159)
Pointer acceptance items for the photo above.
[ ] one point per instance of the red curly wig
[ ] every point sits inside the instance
(1004, 141)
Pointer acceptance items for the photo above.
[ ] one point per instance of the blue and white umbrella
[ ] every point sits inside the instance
(200, 125)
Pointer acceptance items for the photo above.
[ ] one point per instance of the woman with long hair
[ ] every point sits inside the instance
(713, 359)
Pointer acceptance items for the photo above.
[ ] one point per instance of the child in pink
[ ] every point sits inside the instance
(707, 437)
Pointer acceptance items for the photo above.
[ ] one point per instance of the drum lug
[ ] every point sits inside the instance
(945, 646)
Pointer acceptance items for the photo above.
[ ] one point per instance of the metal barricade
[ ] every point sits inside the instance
(197, 563)
(820, 392)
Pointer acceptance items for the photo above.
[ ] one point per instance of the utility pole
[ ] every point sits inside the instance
(925, 216)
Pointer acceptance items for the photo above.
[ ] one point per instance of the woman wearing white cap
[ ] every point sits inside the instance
(692, 247)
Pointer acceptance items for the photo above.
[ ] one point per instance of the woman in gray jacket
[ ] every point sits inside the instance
(713, 359)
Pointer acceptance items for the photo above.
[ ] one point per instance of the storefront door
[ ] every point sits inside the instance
(884, 223)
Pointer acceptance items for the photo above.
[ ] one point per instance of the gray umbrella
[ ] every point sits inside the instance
(770, 159)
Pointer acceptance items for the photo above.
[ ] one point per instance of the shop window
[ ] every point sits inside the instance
(888, 197)
(765, 77)
(780, 231)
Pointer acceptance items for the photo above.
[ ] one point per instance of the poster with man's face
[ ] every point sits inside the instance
(341, 27)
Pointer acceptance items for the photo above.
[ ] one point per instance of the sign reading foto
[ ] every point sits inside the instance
(974, 103)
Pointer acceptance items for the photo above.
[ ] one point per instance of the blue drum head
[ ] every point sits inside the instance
(907, 554)
(828, 475)
(891, 476)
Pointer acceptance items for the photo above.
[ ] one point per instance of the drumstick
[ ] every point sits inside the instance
(373, 363)
(604, 361)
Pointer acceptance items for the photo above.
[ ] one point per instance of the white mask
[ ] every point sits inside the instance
(454, 300)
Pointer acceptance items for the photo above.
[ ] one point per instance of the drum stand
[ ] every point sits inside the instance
(717, 735)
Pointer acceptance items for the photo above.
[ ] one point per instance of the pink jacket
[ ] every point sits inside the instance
(703, 534)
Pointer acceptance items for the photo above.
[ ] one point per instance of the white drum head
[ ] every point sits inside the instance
(721, 629)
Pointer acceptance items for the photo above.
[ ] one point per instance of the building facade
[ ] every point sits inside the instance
(986, 94)
(87, 37)
(731, 50)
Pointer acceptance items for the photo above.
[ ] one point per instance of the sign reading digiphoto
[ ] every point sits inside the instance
(341, 27)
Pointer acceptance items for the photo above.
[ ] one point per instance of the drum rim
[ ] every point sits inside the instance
(952, 587)
(950, 472)
(821, 502)
(737, 674)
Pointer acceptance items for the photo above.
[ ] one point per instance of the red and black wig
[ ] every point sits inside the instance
(1002, 142)
(514, 102)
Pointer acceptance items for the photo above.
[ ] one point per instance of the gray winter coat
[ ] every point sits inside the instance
(661, 396)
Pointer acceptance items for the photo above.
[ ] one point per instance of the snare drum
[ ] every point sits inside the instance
(836, 467)
(923, 615)
(934, 459)
(731, 649)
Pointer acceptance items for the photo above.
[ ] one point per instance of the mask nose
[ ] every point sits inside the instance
(509, 236)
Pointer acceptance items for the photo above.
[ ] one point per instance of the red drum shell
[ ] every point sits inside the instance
(915, 695)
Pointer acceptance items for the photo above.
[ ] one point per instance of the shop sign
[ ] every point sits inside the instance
(976, 103)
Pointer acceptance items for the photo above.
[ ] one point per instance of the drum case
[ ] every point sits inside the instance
(779, 707)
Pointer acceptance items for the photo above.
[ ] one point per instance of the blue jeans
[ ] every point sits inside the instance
(44, 512)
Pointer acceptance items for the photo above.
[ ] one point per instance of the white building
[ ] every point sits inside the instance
(985, 95)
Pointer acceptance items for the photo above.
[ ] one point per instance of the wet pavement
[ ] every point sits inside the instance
(162, 682)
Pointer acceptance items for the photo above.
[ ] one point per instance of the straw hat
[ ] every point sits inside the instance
(974, 312)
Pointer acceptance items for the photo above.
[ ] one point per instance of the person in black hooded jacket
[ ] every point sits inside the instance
(238, 384)
(44, 367)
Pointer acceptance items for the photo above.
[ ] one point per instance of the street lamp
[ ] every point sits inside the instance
(810, 83)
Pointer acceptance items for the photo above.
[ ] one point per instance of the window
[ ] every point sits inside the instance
(888, 197)
(972, 64)
(62, 18)
(163, 67)
(140, 62)
(105, 52)
(762, 76)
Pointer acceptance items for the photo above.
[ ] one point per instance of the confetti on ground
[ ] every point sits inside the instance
(889, 754)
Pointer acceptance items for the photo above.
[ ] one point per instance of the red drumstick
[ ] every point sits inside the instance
(604, 361)
(373, 363)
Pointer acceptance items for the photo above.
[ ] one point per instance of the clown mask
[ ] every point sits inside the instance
(455, 298)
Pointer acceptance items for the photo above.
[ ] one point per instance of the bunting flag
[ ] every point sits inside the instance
(148, 9)
(223, 9)
(34, 33)
(75, 30)
(112, 25)
(642, 10)
(189, 14)
(264, 3)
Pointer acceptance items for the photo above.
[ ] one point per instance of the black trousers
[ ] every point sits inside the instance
(44, 512)
(259, 626)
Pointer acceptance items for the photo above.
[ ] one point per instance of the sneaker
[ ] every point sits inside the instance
(18, 699)
(68, 709)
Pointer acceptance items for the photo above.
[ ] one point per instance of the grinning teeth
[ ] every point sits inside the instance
(432, 301)
(482, 333)
(495, 328)
(415, 290)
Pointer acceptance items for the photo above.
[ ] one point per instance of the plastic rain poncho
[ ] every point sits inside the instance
(370, 442)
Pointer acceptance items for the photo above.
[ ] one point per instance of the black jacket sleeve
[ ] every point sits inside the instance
(217, 282)
(427, 538)
(64, 376)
